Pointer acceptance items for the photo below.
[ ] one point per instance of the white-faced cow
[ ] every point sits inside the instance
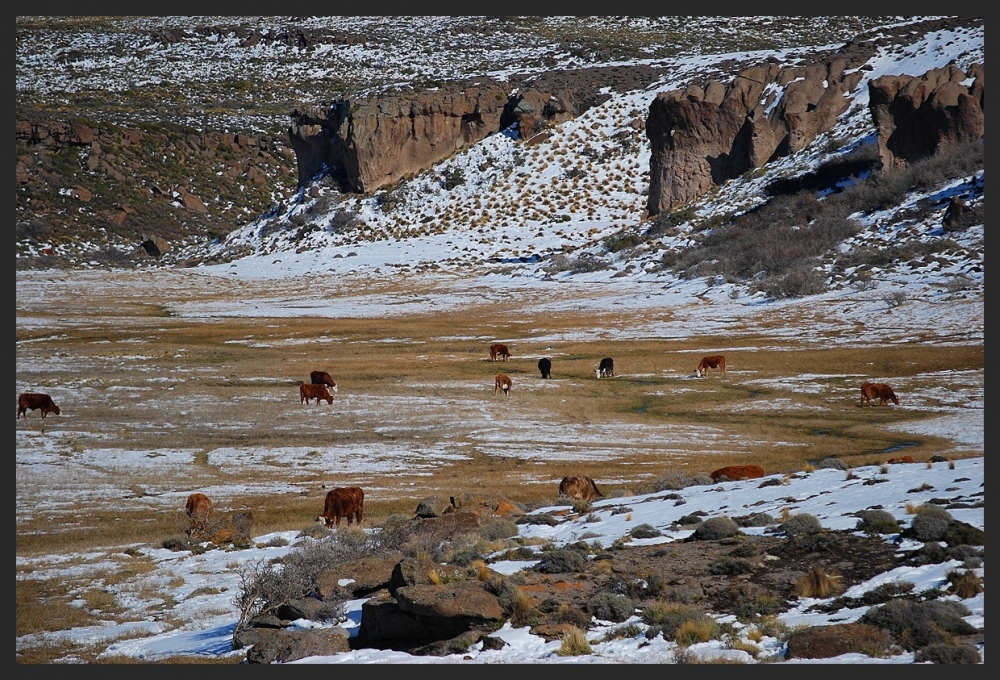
(317, 392)
(29, 401)
(715, 361)
(322, 378)
(499, 352)
(879, 391)
(346, 502)
(579, 488)
(606, 368)
(502, 383)
(199, 509)
(545, 366)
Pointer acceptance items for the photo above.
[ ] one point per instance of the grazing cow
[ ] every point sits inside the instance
(499, 352)
(716, 361)
(607, 368)
(308, 392)
(545, 366)
(322, 378)
(901, 459)
(579, 489)
(29, 401)
(502, 382)
(199, 509)
(346, 502)
(879, 391)
(737, 472)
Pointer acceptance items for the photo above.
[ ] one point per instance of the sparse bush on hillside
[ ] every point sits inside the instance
(874, 522)
(715, 528)
(611, 606)
(584, 263)
(801, 524)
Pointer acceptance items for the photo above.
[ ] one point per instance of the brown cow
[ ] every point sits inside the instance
(309, 392)
(579, 489)
(901, 459)
(29, 401)
(879, 391)
(322, 378)
(502, 382)
(346, 502)
(199, 509)
(737, 472)
(715, 361)
(499, 352)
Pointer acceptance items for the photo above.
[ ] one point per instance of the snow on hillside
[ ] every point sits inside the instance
(520, 206)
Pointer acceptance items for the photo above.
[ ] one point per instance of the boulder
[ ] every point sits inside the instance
(271, 646)
(367, 575)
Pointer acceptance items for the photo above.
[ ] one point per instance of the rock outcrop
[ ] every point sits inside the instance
(703, 136)
(917, 116)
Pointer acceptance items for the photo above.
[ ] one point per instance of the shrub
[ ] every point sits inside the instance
(831, 462)
(928, 527)
(645, 531)
(715, 528)
(919, 624)
(964, 584)
(693, 518)
(801, 524)
(610, 607)
(960, 533)
(757, 519)
(545, 518)
(730, 566)
(453, 178)
(584, 263)
(701, 629)
(743, 550)
(501, 528)
(874, 522)
(947, 652)
(563, 560)
(663, 618)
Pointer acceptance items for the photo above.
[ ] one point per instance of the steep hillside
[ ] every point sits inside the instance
(177, 126)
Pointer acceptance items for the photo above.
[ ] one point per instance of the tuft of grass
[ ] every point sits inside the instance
(818, 584)
(964, 584)
(701, 629)
(574, 643)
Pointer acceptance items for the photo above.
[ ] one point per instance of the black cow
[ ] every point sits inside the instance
(545, 366)
(607, 368)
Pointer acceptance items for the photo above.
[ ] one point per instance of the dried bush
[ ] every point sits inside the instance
(831, 463)
(919, 624)
(743, 550)
(666, 618)
(964, 584)
(545, 518)
(608, 606)
(927, 527)
(960, 533)
(344, 221)
(730, 566)
(574, 643)
(497, 529)
(874, 522)
(801, 524)
(563, 560)
(645, 531)
(714, 528)
(949, 653)
(583, 264)
(701, 629)
(799, 281)
(757, 519)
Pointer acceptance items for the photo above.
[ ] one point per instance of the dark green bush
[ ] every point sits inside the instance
(874, 522)
(801, 524)
(715, 528)
(949, 653)
(757, 519)
(730, 566)
(562, 560)
(645, 531)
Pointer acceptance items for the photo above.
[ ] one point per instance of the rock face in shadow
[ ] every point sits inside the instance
(702, 136)
(917, 116)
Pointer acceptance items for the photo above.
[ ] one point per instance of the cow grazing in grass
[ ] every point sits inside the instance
(29, 401)
(737, 472)
(607, 368)
(579, 488)
(199, 509)
(880, 391)
(317, 392)
(715, 361)
(901, 459)
(322, 378)
(346, 502)
(545, 366)
(502, 382)
(499, 352)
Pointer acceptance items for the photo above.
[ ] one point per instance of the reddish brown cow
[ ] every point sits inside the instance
(716, 361)
(879, 391)
(579, 488)
(29, 401)
(346, 502)
(502, 382)
(499, 352)
(309, 392)
(322, 378)
(737, 472)
(199, 509)
(901, 459)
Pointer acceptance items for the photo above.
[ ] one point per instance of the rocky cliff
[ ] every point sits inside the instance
(917, 116)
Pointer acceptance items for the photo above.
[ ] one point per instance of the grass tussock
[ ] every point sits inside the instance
(574, 643)
(819, 584)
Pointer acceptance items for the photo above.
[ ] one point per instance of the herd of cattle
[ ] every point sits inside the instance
(349, 502)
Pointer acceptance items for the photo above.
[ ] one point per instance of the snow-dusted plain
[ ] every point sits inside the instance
(494, 238)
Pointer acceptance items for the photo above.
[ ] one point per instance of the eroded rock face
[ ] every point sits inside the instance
(917, 116)
(703, 136)
(367, 143)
